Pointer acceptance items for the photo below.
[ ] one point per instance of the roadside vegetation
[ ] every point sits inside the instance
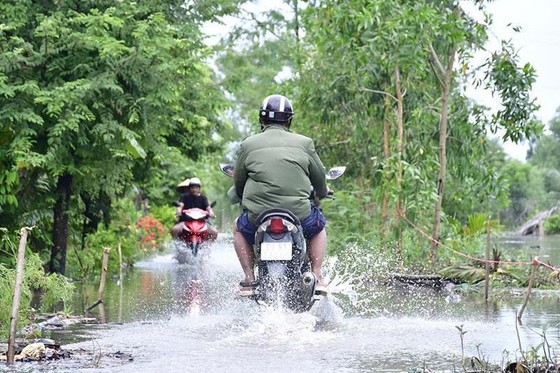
(106, 106)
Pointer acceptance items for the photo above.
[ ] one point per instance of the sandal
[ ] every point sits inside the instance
(247, 288)
(321, 289)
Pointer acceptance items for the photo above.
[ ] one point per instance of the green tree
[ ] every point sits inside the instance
(259, 56)
(546, 150)
(544, 161)
(380, 86)
(363, 52)
(93, 95)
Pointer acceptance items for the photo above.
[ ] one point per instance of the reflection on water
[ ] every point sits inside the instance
(156, 290)
(187, 318)
(547, 248)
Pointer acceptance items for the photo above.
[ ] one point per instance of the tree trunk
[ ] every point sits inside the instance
(60, 224)
(386, 155)
(97, 210)
(400, 147)
(297, 32)
(442, 152)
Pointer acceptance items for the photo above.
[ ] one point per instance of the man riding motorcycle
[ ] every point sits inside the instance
(193, 198)
(274, 169)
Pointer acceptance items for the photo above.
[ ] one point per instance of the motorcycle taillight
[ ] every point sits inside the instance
(276, 226)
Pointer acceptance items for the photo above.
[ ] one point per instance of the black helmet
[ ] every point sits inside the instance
(276, 109)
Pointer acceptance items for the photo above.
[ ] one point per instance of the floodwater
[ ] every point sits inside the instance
(178, 318)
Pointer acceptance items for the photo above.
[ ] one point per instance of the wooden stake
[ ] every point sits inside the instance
(106, 252)
(487, 276)
(104, 264)
(102, 314)
(529, 287)
(120, 283)
(17, 293)
(120, 264)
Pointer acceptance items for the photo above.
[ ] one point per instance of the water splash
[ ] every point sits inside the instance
(362, 284)
(329, 316)
(340, 281)
(365, 324)
(350, 275)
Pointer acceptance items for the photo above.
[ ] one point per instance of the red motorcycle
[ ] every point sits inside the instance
(193, 236)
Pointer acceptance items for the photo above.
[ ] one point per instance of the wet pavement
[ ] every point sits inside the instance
(180, 318)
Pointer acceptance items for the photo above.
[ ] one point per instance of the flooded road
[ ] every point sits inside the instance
(173, 318)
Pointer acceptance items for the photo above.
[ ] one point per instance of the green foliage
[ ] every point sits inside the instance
(53, 289)
(259, 58)
(546, 152)
(99, 95)
(165, 215)
(346, 220)
(464, 273)
(7, 249)
(513, 85)
(502, 276)
(480, 224)
(552, 224)
(527, 193)
(86, 262)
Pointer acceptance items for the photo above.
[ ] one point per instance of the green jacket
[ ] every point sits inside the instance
(275, 169)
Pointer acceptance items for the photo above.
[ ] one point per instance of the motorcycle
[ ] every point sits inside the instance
(283, 269)
(190, 290)
(193, 236)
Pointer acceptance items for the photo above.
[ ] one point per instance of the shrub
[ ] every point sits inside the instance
(165, 215)
(55, 291)
(152, 233)
(552, 225)
(87, 262)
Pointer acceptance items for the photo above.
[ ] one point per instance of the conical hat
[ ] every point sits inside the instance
(183, 185)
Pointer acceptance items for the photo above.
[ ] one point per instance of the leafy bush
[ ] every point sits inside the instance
(54, 289)
(151, 233)
(122, 231)
(87, 262)
(552, 225)
(165, 215)
(346, 219)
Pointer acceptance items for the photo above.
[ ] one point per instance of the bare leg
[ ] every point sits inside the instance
(245, 254)
(177, 229)
(317, 249)
(212, 232)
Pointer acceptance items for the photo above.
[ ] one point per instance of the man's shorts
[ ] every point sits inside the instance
(312, 225)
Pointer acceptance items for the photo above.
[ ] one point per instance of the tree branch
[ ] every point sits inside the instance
(437, 62)
(342, 142)
(381, 93)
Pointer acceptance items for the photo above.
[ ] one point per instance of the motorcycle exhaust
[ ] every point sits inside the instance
(309, 280)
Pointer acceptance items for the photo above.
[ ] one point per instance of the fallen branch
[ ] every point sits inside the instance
(97, 303)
